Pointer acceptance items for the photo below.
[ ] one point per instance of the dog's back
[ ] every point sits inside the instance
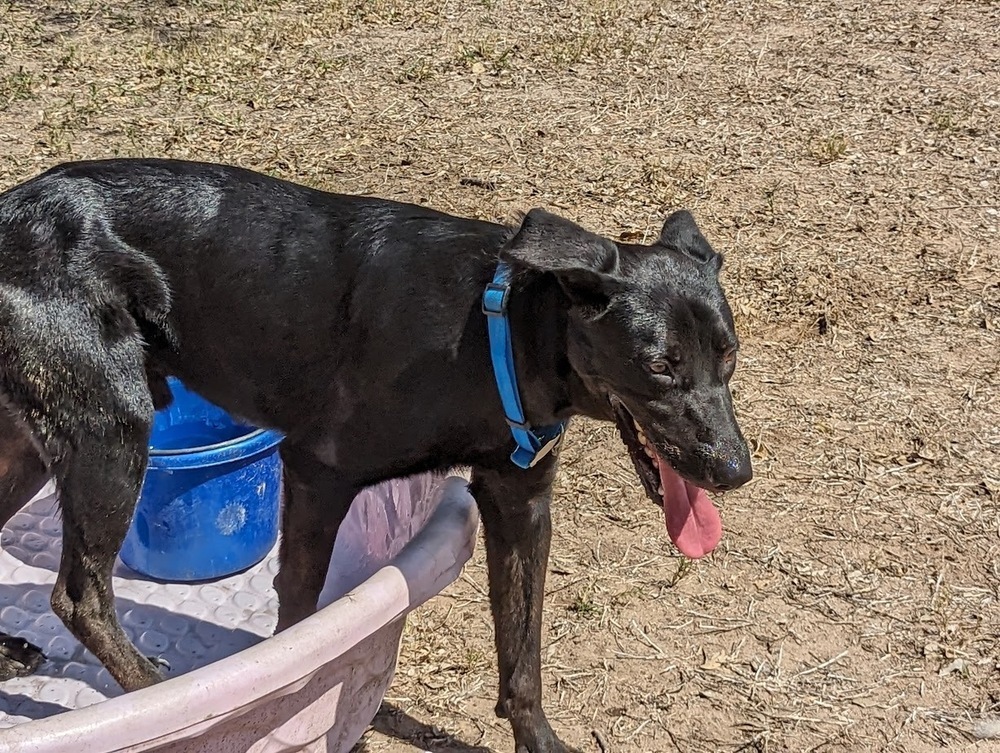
(208, 263)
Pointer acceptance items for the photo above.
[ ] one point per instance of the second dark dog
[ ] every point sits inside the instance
(383, 339)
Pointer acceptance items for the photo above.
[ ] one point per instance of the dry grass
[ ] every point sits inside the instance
(846, 159)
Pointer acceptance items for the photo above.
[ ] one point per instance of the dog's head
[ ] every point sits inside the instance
(652, 346)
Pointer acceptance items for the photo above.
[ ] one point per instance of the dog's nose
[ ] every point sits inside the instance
(732, 472)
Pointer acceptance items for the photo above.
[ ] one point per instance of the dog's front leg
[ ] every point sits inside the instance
(316, 501)
(514, 506)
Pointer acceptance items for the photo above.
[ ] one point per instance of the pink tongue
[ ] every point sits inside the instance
(693, 523)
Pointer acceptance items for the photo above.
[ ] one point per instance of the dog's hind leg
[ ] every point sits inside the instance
(316, 501)
(22, 475)
(77, 382)
(99, 485)
(22, 472)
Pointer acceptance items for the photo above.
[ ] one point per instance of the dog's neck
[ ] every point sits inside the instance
(538, 321)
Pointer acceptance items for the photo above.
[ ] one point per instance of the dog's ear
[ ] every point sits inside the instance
(585, 264)
(680, 232)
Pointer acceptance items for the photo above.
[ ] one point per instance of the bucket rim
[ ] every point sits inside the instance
(244, 447)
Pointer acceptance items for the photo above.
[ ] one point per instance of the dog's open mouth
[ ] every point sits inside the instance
(693, 522)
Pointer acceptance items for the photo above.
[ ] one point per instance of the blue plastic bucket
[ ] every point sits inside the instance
(210, 500)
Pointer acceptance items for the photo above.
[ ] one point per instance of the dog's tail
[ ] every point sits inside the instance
(73, 291)
(59, 224)
(142, 283)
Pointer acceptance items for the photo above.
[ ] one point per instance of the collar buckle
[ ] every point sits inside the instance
(495, 298)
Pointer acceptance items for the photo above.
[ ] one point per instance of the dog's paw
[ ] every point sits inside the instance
(160, 665)
(555, 746)
(542, 740)
(18, 657)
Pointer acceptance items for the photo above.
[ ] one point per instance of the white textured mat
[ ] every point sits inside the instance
(189, 625)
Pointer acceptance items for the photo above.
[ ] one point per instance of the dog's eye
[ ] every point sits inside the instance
(659, 367)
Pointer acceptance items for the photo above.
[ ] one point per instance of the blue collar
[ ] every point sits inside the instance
(532, 444)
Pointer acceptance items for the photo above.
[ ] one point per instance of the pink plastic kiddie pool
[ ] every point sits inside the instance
(315, 687)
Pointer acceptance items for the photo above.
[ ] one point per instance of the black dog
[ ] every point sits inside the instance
(359, 328)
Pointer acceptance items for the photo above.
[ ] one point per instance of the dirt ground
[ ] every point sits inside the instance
(845, 158)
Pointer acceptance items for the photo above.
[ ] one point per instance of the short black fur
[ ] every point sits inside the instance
(353, 325)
